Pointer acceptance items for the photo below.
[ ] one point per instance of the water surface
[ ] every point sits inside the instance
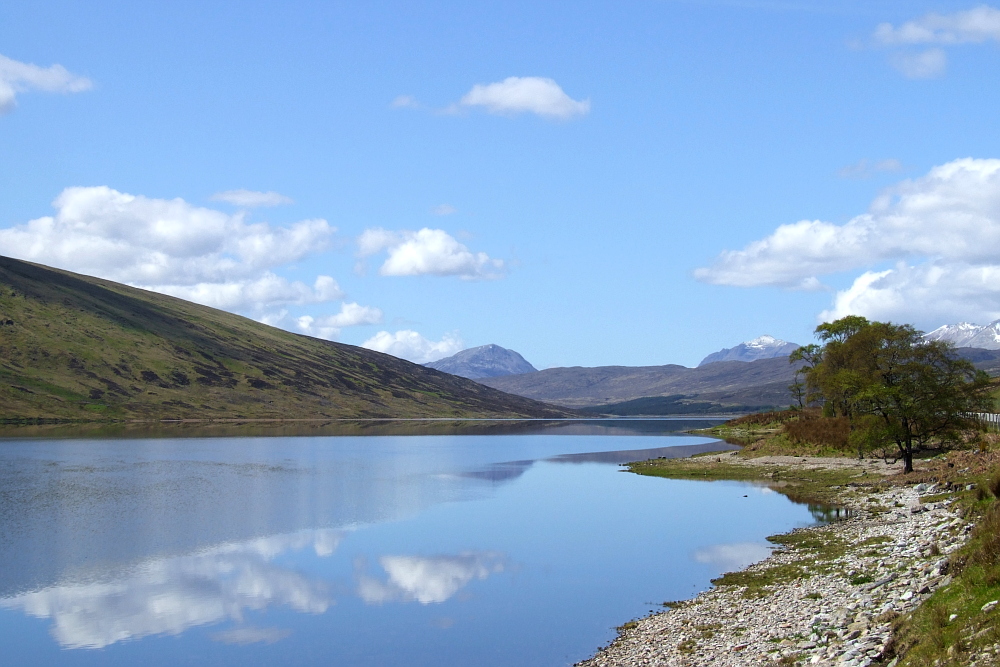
(525, 548)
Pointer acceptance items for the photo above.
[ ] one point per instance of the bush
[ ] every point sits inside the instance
(829, 432)
(764, 418)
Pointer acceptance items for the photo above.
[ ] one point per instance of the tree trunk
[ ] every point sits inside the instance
(908, 458)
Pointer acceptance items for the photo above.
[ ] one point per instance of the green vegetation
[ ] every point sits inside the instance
(892, 388)
(79, 348)
(952, 626)
(956, 623)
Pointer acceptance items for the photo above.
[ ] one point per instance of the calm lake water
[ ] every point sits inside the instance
(522, 548)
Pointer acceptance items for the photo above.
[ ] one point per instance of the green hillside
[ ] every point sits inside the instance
(79, 348)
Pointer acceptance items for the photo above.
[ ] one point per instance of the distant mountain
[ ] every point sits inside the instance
(80, 348)
(764, 347)
(965, 334)
(485, 361)
(725, 386)
(730, 385)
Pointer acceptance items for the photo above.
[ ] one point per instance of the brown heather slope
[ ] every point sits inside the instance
(74, 347)
(726, 383)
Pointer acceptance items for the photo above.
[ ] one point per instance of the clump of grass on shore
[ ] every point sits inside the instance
(786, 432)
(818, 486)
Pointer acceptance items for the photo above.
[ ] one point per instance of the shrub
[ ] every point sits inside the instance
(764, 418)
(829, 432)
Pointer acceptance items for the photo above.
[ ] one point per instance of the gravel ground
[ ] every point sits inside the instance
(822, 618)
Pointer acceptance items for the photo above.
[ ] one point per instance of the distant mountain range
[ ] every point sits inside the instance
(763, 347)
(485, 361)
(724, 386)
(965, 334)
(728, 385)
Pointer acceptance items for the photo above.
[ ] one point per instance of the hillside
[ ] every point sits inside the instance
(727, 384)
(722, 386)
(75, 347)
(485, 361)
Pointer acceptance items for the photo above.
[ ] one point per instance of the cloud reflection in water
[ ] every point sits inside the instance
(427, 580)
(731, 557)
(170, 595)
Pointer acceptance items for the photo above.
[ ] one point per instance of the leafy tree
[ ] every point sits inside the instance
(810, 356)
(895, 388)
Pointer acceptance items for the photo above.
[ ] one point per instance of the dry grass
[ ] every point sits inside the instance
(763, 418)
(828, 432)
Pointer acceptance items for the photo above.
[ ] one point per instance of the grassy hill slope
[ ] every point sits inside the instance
(75, 347)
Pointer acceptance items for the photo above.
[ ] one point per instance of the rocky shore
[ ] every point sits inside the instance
(827, 597)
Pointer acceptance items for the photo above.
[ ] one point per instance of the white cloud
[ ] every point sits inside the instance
(350, 315)
(173, 247)
(934, 292)
(921, 65)
(406, 102)
(410, 345)
(444, 209)
(941, 232)
(864, 168)
(17, 77)
(731, 557)
(427, 252)
(267, 290)
(427, 580)
(974, 26)
(251, 198)
(528, 94)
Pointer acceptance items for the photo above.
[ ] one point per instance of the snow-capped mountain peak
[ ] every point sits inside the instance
(966, 334)
(765, 341)
(762, 347)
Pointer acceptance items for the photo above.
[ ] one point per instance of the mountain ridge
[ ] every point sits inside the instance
(723, 386)
(762, 347)
(966, 334)
(74, 347)
(482, 362)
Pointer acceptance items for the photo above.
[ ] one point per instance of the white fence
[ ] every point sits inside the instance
(990, 419)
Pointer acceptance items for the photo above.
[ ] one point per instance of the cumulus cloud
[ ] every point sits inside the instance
(251, 198)
(410, 345)
(17, 77)
(527, 94)
(350, 315)
(940, 232)
(169, 595)
(427, 252)
(173, 247)
(972, 26)
(427, 580)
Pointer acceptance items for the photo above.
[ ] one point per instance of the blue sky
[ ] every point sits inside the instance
(578, 214)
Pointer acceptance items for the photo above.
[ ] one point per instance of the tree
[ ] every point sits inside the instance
(895, 388)
(810, 356)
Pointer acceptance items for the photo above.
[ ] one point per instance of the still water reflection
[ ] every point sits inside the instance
(408, 550)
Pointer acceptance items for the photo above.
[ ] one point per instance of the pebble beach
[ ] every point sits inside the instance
(838, 612)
